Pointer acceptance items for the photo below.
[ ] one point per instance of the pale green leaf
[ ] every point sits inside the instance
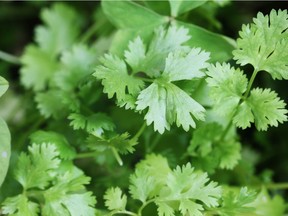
(115, 199)
(41, 162)
(267, 107)
(3, 86)
(20, 206)
(264, 43)
(179, 7)
(61, 29)
(5, 149)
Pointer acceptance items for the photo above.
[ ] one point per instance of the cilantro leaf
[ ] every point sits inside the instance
(264, 43)
(186, 186)
(38, 68)
(180, 7)
(67, 197)
(120, 142)
(111, 72)
(227, 86)
(65, 150)
(62, 27)
(115, 199)
(235, 203)
(95, 124)
(20, 206)
(77, 64)
(267, 108)
(3, 85)
(41, 163)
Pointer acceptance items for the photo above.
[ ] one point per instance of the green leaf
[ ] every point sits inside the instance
(264, 43)
(68, 197)
(63, 147)
(120, 142)
(41, 163)
(4, 85)
(267, 108)
(139, 16)
(5, 149)
(115, 199)
(187, 187)
(181, 6)
(77, 64)
(20, 206)
(218, 45)
(237, 203)
(227, 86)
(61, 29)
(38, 68)
(111, 72)
(95, 124)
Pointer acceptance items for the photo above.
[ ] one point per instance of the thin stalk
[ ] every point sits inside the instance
(117, 156)
(275, 186)
(145, 79)
(143, 206)
(123, 212)
(85, 155)
(9, 58)
(250, 83)
(89, 33)
(140, 131)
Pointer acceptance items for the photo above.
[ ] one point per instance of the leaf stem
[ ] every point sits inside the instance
(144, 205)
(123, 212)
(89, 33)
(140, 131)
(251, 81)
(275, 186)
(117, 156)
(85, 155)
(9, 58)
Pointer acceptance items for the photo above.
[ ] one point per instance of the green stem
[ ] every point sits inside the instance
(117, 156)
(276, 186)
(123, 212)
(86, 155)
(250, 84)
(89, 33)
(143, 206)
(9, 58)
(145, 79)
(140, 131)
(251, 81)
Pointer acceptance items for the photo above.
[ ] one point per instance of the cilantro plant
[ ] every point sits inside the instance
(143, 113)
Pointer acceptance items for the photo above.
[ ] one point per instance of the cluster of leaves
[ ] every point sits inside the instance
(159, 69)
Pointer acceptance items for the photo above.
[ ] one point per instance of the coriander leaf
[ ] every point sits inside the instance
(135, 54)
(63, 147)
(50, 104)
(244, 116)
(180, 65)
(115, 78)
(3, 85)
(68, 197)
(77, 64)
(164, 209)
(181, 6)
(115, 199)
(95, 124)
(5, 149)
(155, 98)
(20, 206)
(264, 204)
(138, 18)
(264, 43)
(41, 164)
(230, 154)
(189, 188)
(267, 108)
(237, 203)
(38, 68)
(142, 185)
(62, 27)
(120, 142)
(227, 86)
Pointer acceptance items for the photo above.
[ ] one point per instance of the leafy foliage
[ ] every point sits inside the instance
(111, 93)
